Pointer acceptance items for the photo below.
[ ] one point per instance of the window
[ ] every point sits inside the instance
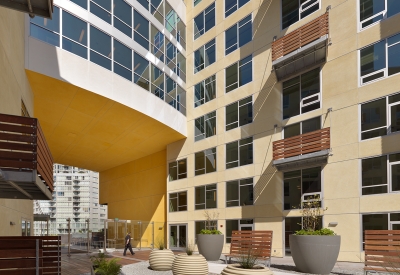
(195, 2)
(372, 11)
(45, 29)
(157, 43)
(295, 10)
(205, 161)
(239, 153)
(233, 5)
(239, 192)
(178, 202)
(301, 94)
(175, 25)
(380, 117)
(239, 113)
(204, 21)
(82, 3)
(100, 48)
(301, 185)
(102, 9)
(384, 221)
(177, 170)
(157, 82)
(303, 127)
(205, 91)
(171, 50)
(206, 197)
(381, 174)
(122, 60)
(238, 35)
(209, 225)
(74, 32)
(25, 228)
(204, 56)
(141, 34)
(205, 126)
(238, 74)
(123, 17)
(142, 71)
(374, 63)
(232, 225)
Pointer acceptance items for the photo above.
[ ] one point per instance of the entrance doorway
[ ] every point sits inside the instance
(178, 236)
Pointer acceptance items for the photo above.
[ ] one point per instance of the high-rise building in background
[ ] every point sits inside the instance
(75, 196)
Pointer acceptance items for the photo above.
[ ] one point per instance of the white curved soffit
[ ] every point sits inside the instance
(65, 66)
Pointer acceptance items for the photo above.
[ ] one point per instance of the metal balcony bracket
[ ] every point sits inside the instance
(299, 60)
(302, 161)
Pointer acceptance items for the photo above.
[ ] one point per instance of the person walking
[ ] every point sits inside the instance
(128, 244)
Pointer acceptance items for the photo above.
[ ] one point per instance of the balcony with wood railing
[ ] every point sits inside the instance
(302, 47)
(26, 163)
(312, 146)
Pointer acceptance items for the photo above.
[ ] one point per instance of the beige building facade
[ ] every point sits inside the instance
(357, 186)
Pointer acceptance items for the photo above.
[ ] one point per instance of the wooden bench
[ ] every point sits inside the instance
(258, 243)
(382, 251)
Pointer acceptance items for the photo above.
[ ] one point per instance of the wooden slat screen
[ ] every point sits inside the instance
(382, 250)
(301, 36)
(18, 255)
(258, 243)
(23, 146)
(302, 144)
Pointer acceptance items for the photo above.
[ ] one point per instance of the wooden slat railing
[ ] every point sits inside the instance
(301, 36)
(382, 251)
(302, 144)
(23, 146)
(25, 255)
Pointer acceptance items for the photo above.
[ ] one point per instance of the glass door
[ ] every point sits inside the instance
(178, 236)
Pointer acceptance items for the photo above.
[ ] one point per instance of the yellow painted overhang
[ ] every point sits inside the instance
(87, 130)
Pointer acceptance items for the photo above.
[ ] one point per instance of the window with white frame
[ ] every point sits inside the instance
(239, 74)
(239, 113)
(47, 30)
(177, 170)
(380, 117)
(205, 126)
(302, 127)
(380, 174)
(233, 5)
(205, 197)
(300, 186)
(238, 35)
(239, 192)
(205, 91)
(101, 9)
(295, 10)
(380, 221)
(379, 60)
(233, 225)
(374, 11)
(239, 153)
(204, 21)
(123, 17)
(204, 56)
(301, 94)
(205, 161)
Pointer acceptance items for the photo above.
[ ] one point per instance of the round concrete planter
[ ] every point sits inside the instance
(161, 259)
(314, 254)
(236, 270)
(210, 246)
(189, 265)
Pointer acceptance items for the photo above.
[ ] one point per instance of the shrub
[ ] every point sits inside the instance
(320, 232)
(210, 232)
(160, 244)
(189, 249)
(98, 260)
(247, 259)
(110, 267)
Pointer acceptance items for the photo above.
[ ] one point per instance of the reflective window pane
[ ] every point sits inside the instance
(82, 3)
(74, 48)
(373, 116)
(45, 35)
(122, 54)
(374, 175)
(394, 59)
(123, 11)
(141, 26)
(53, 24)
(100, 42)
(74, 28)
(290, 12)
(100, 60)
(100, 12)
(393, 7)
(141, 66)
(292, 130)
(372, 58)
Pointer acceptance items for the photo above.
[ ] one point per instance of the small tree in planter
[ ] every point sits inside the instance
(314, 250)
(246, 265)
(189, 263)
(210, 241)
(162, 258)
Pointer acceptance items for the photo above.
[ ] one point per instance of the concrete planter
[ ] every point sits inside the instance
(189, 265)
(314, 254)
(161, 259)
(210, 246)
(236, 270)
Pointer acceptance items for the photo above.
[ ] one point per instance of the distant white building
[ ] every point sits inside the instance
(75, 196)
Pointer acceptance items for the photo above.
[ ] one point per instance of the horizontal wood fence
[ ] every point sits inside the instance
(382, 251)
(24, 147)
(36, 255)
(302, 144)
(301, 36)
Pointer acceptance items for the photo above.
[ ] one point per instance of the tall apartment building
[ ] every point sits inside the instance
(75, 196)
(245, 108)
